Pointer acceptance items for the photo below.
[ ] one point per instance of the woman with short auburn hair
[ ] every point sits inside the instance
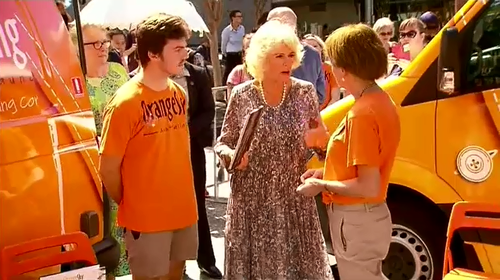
(359, 157)
(271, 231)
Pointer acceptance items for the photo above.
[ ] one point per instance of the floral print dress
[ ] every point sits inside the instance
(100, 91)
(272, 232)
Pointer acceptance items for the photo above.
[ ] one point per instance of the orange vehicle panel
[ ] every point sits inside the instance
(48, 151)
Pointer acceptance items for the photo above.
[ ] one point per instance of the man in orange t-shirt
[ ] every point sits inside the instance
(145, 155)
(360, 156)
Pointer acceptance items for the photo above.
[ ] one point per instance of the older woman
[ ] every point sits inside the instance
(384, 27)
(103, 79)
(332, 90)
(272, 232)
(359, 158)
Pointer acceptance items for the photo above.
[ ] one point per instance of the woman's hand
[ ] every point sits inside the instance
(317, 135)
(392, 58)
(243, 163)
(311, 187)
(130, 51)
(227, 157)
(312, 173)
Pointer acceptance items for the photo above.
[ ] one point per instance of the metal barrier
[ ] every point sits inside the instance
(219, 94)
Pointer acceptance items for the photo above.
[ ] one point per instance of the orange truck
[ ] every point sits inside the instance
(49, 183)
(449, 104)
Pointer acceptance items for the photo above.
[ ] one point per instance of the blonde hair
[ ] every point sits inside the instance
(85, 26)
(320, 42)
(266, 39)
(315, 38)
(382, 23)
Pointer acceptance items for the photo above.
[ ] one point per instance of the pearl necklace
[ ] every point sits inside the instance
(283, 96)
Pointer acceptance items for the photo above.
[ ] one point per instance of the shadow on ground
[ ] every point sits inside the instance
(202, 277)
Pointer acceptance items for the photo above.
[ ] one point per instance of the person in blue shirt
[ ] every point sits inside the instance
(232, 42)
(311, 68)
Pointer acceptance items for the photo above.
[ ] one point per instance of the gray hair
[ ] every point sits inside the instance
(382, 23)
(284, 15)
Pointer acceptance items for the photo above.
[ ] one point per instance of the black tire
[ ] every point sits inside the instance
(419, 238)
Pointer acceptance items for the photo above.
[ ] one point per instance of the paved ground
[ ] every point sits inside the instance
(216, 211)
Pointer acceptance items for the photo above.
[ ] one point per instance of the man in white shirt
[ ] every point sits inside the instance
(232, 42)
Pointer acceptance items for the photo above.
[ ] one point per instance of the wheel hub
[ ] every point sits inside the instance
(408, 257)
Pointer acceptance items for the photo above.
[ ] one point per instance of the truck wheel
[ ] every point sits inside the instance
(418, 241)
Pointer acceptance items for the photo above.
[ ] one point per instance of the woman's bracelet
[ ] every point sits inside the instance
(321, 153)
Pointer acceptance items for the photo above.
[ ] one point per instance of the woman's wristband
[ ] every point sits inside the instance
(321, 153)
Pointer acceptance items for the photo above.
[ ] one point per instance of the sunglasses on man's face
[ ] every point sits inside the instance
(386, 34)
(409, 34)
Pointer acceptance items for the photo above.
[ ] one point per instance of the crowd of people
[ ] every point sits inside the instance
(152, 100)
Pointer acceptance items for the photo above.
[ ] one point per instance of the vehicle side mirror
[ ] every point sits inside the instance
(449, 61)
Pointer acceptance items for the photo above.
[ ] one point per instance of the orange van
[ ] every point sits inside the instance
(49, 182)
(449, 104)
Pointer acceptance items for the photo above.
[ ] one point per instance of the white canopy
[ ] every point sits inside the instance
(126, 13)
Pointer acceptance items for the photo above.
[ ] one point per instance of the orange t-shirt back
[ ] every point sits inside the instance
(369, 135)
(330, 84)
(149, 129)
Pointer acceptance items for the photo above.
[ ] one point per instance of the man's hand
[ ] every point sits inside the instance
(311, 187)
(312, 173)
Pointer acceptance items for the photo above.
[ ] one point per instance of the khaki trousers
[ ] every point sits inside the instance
(361, 236)
(149, 254)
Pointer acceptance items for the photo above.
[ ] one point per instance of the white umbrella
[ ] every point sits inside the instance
(125, 13)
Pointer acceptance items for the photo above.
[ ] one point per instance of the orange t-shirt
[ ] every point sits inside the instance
(330, 84)
(149, 130)
(369, 135)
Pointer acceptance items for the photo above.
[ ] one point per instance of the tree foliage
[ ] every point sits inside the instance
(260, 5)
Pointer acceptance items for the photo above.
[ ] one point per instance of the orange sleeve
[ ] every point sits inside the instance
(363, 141)
(117, 126)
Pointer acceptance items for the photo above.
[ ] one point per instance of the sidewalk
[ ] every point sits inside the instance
(223, 188)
